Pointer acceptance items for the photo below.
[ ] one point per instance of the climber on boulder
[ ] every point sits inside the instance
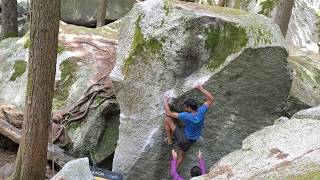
(193, 119)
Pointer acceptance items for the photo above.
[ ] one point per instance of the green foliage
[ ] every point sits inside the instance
(20, 67)
(223, 41)
(140, 45)
(268, 6)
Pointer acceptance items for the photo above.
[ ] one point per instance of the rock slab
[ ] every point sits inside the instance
(169, 47)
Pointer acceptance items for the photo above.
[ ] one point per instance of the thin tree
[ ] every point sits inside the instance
(101, 15)
(44, 29)
(283, 14)
(221, 3)
(9, 20)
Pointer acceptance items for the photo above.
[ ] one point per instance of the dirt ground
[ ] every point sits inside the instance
(7, 159)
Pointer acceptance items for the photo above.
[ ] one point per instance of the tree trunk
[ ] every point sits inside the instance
(9, 21)
(283, 15)
(31, 159)
(101, 15)
(221, 3)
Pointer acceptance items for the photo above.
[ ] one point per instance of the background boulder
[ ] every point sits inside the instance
(84, 56)
(286, 150)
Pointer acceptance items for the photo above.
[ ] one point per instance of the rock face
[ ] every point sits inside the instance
(84, 56)
(83, 12)
(79, 12)
(76, 169)
(306, 76)
(169, 47)
(303, 30)
(286, 150)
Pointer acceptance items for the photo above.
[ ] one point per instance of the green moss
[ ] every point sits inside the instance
(68, 73)
(268, 6)
(27, 43)
(9, 35)
(20, 67)
(60, 48)
(140, 45)
(223, 41)
(307, 176)
(166, 6)
(262, 34)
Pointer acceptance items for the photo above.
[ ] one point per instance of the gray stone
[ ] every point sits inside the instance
(306, 81)
(311, 113)
(76, 169)
(97, 135)
(79, 12)
(285, 150)
(83, 12)
(281, 120)
(303, 29)
(169, 47)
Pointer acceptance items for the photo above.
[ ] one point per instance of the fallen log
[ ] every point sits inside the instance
(10, 131)
(10, 114)
(54, 152)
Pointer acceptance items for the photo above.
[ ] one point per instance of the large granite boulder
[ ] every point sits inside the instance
(303, 30)
(84, 56)
(169, 47)
(84, 12)
(289, 149)
(77, 169)
(306, 76)
(79, 12)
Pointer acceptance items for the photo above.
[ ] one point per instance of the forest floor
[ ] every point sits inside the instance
(7, 159)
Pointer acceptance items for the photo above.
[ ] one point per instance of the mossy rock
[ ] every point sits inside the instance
(223, 41)
(140, 45)
(166, 48)
(268, 6)
(68, 73)
(307, 176)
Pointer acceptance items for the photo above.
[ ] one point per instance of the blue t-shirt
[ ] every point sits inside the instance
(193, 122)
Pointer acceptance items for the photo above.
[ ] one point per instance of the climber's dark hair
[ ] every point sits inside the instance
(195, 171)
(192, 104)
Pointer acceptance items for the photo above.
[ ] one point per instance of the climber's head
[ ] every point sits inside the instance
(190, 104)
(195, 171)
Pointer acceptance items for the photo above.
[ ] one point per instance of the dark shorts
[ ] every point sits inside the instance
(183, 142)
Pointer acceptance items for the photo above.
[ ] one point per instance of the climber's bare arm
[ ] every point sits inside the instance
(208, 95)
(169, 113)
